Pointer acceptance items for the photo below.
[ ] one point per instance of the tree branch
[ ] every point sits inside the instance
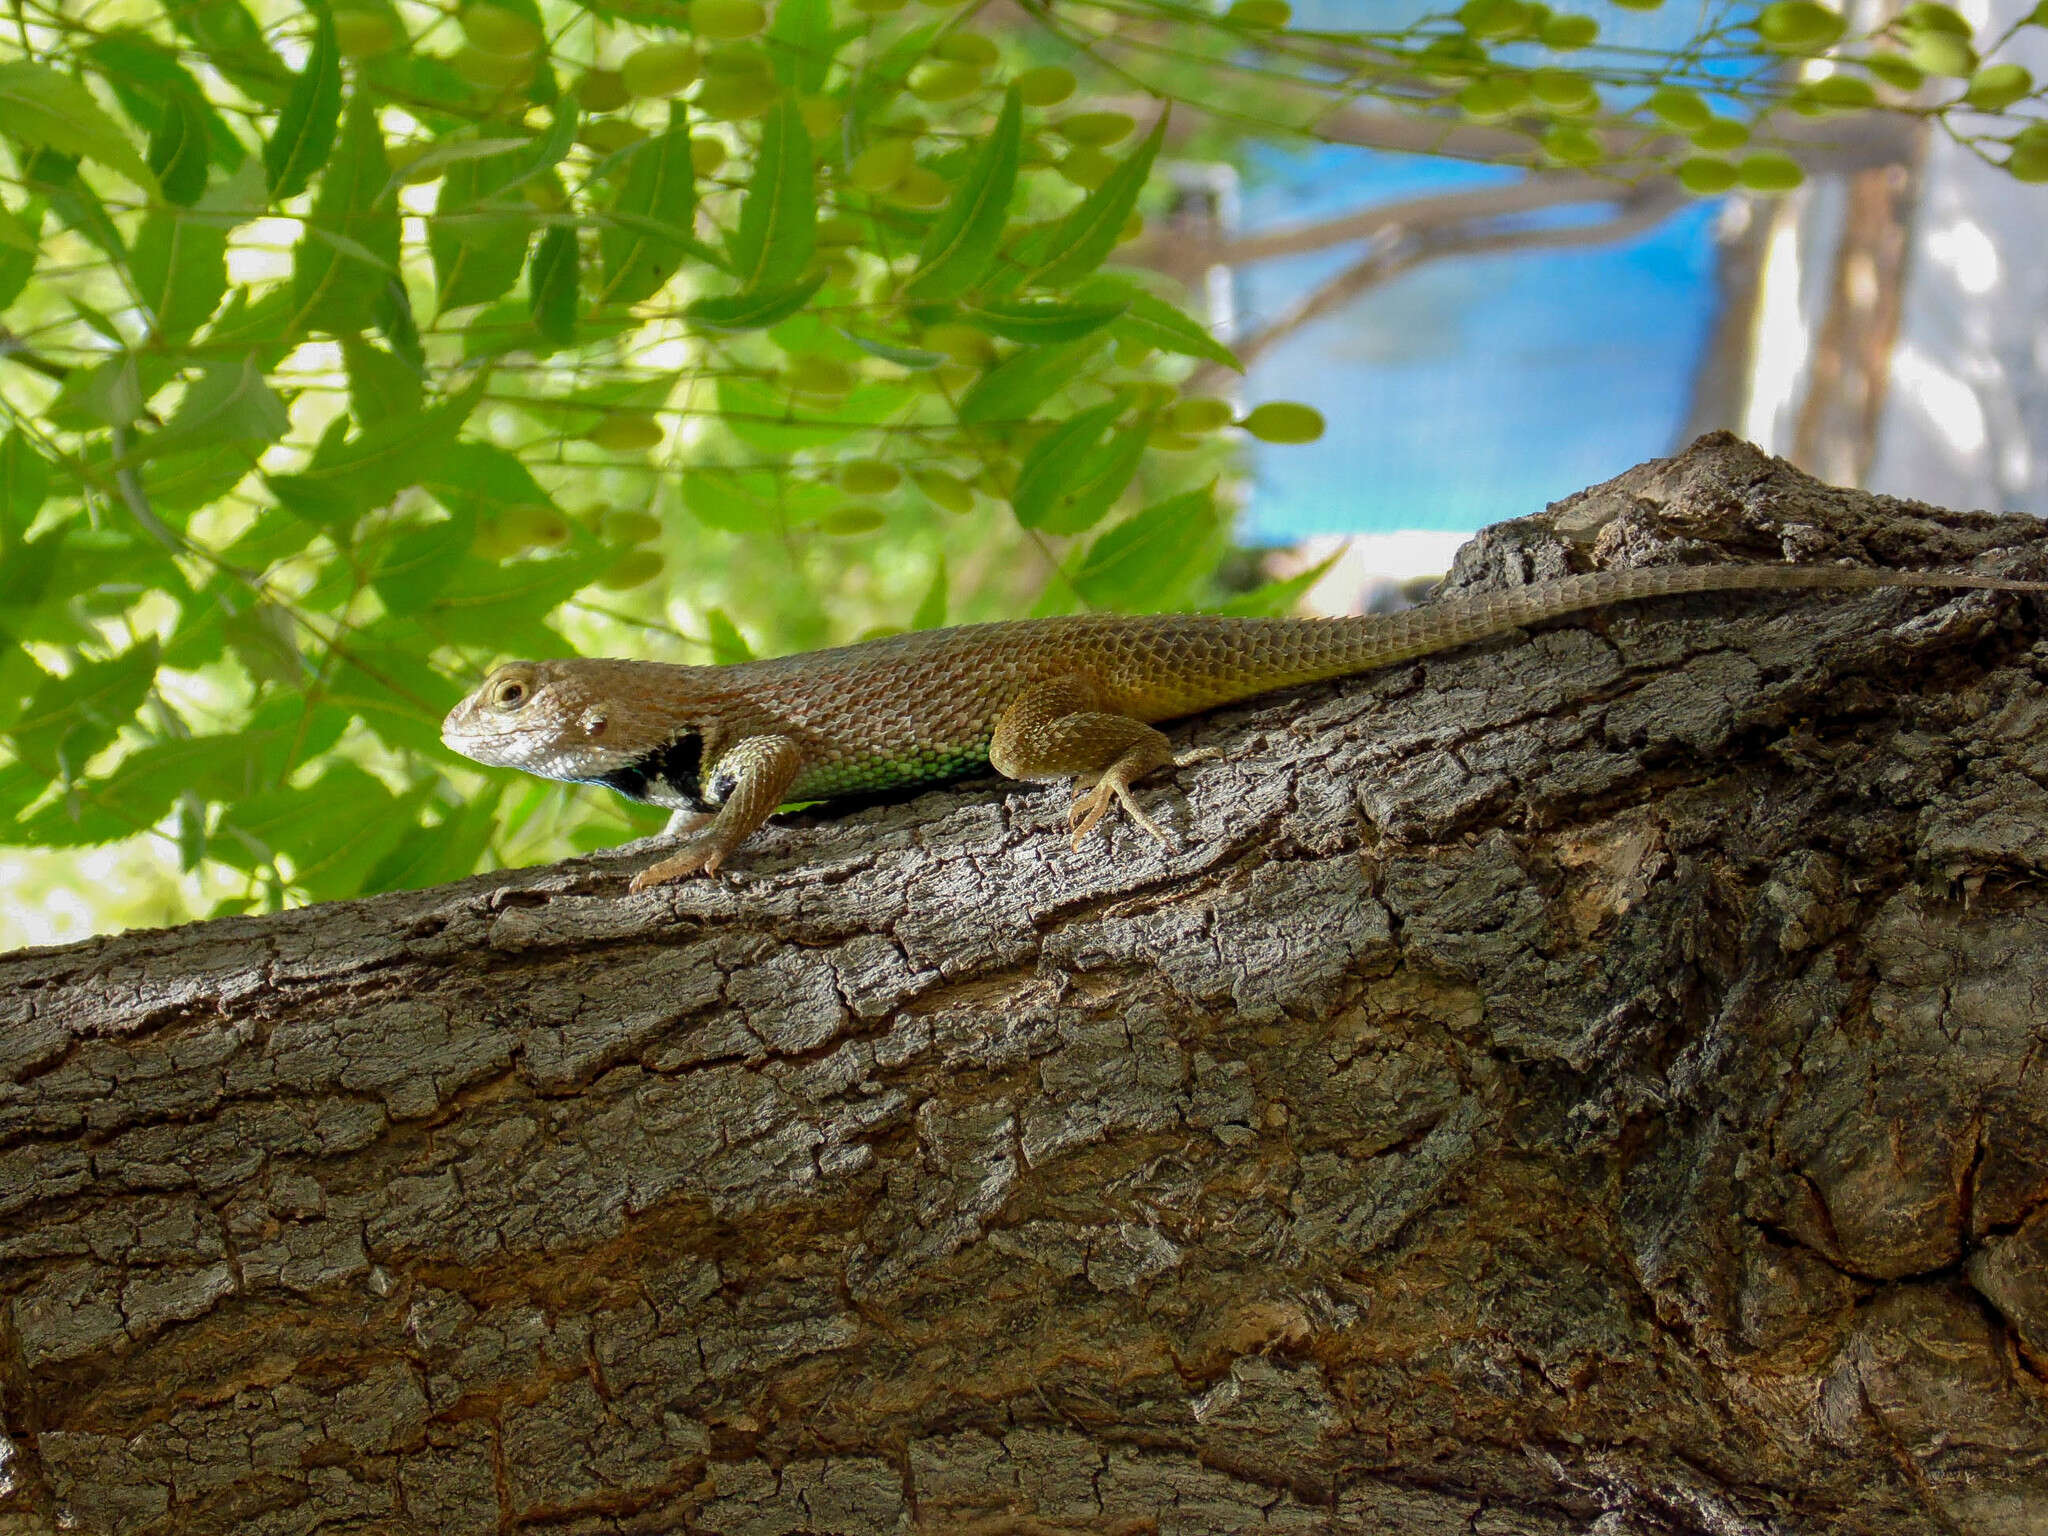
(1582, 1081)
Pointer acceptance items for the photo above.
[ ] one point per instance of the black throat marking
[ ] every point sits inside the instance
(677, 766)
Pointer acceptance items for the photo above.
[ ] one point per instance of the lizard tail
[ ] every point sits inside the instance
(1335, 647)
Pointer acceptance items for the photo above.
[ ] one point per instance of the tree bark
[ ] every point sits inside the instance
(1587, 1082)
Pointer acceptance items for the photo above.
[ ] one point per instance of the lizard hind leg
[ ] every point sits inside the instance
(1050, 731)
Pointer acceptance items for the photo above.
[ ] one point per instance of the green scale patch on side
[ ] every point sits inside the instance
(879, 775)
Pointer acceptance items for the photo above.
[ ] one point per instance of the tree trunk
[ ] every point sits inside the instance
(1588, 1082)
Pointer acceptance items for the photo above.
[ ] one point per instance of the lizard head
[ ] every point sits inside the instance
(586, 722)
(533, 715)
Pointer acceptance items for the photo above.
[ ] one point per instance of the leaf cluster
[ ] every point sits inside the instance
(348, 348)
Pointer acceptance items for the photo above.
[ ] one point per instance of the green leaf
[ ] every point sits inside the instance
(265, 642)
(903, 357)
(1154, 557)
(146, 76)
(757, 412)
(963, 241)
(802, 44)
(380, 385)
(751, 501)
(55, 178)
(230, 403)
(660, 188)
(72, 717)
(1056, 464)
(1099, 482)
(418, 563)
(180, 268)
(1038, 321)
(455, 151)
(480, 480)
(304, 136)
(1156, 323)
(482, 604)
(1016, 387)
(265, 328)
(1276, 598)
(931, 609)
(178, 149)
(233, 43)
(143, 786)
(551, 285)
(728, 645)
(1082, 241)
(752, 311)
(384, 684)
(40, 106)
(347, 480)
(333, 832)
(24, 486)
(778, 226)
(478, 247)
(17, 261)
(350, 247)
(446, 851)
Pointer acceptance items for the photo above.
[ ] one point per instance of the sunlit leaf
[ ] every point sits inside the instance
(230, 403)
(551, 285)
(1277, 598)
(1082, 241)
(18, 251)
(1038, 321)
(411, 571)
(660, 188)
(728, 645)
(448, 850)
(72, 717)
(40, 106)
(804, 44)
(381, 385)
(1013, 389)
(24, 485)
(1156, 323)
(1152, 558)
(178, 149)
(778, 228)
(149, 81)
(1072, 477)
(304, 136)
(180, 268)
(963, 241)
(367, 470)
(478, 244)
(350, 247)
(931, 608)
(752, 310)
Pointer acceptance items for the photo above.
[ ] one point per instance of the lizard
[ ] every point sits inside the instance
(1077, 697)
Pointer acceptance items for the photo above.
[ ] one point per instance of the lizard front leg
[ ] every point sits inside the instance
(754, 777)
(1056, 730)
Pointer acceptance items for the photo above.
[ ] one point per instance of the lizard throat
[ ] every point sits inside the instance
(677, 767)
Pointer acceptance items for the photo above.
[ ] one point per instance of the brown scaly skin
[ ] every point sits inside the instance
(1037, 699)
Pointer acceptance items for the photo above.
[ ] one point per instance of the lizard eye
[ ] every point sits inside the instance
(510, 694)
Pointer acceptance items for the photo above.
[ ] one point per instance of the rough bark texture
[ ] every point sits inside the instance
(1586, 1083)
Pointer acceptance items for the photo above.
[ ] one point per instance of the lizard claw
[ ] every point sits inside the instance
(1088, 810)
(680, 865)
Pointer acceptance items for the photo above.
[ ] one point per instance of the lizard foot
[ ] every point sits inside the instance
(690, 859)
(1088, 810)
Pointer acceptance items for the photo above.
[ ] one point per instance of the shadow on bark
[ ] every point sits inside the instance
(1587, 1082)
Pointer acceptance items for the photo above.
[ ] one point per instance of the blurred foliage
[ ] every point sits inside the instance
(349, 348)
